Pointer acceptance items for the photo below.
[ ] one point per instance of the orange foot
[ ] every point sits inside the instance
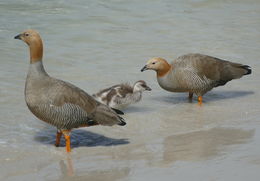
(66, 134)
(200, 100)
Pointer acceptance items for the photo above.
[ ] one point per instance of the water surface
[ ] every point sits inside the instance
(95, 44)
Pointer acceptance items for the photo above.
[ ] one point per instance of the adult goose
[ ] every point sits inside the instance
(195, 73)
(60, 103)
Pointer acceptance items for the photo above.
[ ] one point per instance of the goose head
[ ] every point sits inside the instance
(160, 65)
(34, 41)
(141, 86)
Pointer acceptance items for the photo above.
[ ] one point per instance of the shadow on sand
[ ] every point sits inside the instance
(136, 109)
(177, 98)
(79, 138)
(218, 95)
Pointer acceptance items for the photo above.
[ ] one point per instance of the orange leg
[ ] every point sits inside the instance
(200, 100)
(190, 95)
(66, 134)
(58, 136)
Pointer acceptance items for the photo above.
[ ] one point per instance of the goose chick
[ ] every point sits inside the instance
(195, 73)
(60, 103)
(121, 95)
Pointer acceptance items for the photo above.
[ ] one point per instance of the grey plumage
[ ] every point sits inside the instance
(62, 104)
(195, 73)
(121, 95)
(200, 73)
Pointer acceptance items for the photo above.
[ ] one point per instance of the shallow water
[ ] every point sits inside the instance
(97, 44)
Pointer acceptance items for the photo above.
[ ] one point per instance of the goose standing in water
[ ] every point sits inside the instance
(195, 73)
(60, 103)
(121, 95)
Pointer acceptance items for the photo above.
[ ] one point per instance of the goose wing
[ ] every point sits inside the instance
(210, 70)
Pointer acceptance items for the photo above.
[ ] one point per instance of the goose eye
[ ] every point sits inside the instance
(153, 63)
(26, 34)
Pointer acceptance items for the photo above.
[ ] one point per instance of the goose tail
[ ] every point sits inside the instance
(247, 68)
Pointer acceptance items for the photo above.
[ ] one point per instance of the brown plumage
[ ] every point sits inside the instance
(60, 103)
(195, 73)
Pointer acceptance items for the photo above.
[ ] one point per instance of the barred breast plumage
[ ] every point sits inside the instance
(60, 103)
(195, 73)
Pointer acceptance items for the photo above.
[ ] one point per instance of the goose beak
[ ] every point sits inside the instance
(148, 88)
(144, 68)
(18, 37)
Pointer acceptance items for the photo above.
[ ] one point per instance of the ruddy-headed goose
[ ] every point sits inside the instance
(195, 73)
(60, 103)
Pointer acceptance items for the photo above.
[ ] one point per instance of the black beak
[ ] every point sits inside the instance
(18, 37)
(118, 111)
(144, 68)
(148, 88)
